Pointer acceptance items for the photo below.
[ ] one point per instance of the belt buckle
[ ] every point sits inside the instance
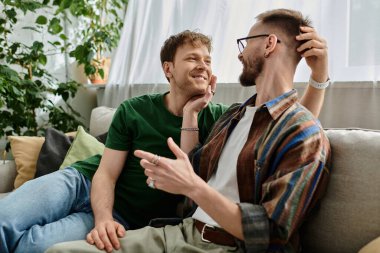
(203, 231)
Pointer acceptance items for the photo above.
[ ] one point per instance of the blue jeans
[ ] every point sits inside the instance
(44, 211)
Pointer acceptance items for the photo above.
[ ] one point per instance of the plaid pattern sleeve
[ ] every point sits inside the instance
(256, 227)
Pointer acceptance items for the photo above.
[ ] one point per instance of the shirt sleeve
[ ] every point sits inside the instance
(298, 180)
(255, 227)
(207, 119)
(119, 135)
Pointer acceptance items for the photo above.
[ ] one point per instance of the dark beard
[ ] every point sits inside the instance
(248, 76)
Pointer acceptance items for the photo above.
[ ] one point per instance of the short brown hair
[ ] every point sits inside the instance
(171, 45)
(288, 22)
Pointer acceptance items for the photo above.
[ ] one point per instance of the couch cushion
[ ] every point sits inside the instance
(25, 150)
(7, 175)
(53, 151)
(101, 118)
(348, 217)
(83, 147)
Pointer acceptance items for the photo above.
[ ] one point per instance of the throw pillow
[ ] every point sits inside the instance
(83, 147)
(25, 150)
(100, 120)
(102, 138)
(53, 151)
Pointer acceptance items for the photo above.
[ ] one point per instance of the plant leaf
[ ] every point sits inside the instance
(17, 91)
(101, 72)
(55, 26)
(41, 20)
(63, 37)
(42, 59)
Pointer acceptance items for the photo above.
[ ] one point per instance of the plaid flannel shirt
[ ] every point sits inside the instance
(281, 170)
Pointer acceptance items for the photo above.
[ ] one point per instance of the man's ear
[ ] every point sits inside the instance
(167, 67)
(271, 43)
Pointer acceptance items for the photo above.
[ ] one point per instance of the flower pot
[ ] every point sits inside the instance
(104, 63)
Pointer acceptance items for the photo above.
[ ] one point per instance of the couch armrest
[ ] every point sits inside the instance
(7, 175)
(348, 215)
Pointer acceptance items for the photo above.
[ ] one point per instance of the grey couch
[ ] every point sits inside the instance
(349, 215)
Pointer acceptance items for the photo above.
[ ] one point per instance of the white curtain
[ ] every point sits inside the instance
(350, 27)
(148, 23)
(352, 30)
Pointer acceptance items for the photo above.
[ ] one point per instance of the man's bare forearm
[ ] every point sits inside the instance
(102, 196)
(313, 100)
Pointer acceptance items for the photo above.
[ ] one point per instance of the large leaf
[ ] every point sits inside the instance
(41, 20)
(89, 70)
(63, 36)
(9, 74)
(55, 26)
(42, 59)
(37, 46)
(16, 91)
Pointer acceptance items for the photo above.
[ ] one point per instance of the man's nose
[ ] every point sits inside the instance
(240, 57)
(202, 65)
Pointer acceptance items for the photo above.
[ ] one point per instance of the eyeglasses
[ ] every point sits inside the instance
(243, 41)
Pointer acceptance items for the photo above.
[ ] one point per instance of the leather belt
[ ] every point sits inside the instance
(215, 235)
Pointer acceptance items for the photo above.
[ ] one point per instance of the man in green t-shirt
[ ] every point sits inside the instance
(59, 205)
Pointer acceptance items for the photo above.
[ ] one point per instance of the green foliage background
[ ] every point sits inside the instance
(26, 86)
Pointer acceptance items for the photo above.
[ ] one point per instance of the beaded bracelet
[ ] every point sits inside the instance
(189, 129)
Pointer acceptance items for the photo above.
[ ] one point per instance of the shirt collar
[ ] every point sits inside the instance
(275, 106)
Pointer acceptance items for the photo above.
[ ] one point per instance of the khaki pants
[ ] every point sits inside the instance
(183, 238)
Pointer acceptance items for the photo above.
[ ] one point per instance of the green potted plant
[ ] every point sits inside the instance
(100, 23)
(26, 86)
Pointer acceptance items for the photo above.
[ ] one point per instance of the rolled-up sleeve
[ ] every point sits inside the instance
(255, 227)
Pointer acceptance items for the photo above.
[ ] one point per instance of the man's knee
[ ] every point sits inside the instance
(80, 246)
(147, 239)
(58, 248)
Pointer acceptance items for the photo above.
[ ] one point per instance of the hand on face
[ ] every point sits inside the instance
(315, 52)
(171, 175)
(197, 103)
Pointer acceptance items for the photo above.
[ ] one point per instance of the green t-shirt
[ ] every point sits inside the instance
(145, 123)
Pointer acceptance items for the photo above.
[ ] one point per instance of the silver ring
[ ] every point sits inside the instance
(155, 159)
(151, 184)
